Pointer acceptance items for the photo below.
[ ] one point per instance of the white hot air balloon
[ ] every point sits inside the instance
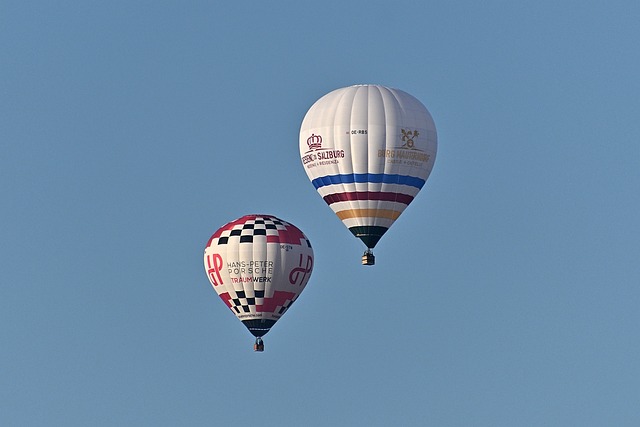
(368, 150)
(258, 265)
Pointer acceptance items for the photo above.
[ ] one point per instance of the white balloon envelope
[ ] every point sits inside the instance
(258, 265)
(368, 150)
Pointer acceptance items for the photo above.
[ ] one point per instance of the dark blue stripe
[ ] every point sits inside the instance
(368, 177)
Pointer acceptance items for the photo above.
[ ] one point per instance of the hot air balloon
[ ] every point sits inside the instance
(258, 265)
(368, 150)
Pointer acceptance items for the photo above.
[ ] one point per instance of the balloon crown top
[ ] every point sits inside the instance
(368, 84)
(314, 142)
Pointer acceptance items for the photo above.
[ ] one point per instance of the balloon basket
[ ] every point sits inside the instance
(368, 258)
(259, 345)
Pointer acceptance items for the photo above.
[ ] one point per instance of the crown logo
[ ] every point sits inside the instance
(408, 137)
(314, 142)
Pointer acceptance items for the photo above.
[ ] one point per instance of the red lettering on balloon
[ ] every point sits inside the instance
(301, 272)
(214, 262)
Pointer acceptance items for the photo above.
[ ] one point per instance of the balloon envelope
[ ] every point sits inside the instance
(368, 150)
(258, 265)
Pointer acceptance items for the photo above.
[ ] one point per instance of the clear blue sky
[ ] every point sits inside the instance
(507, 294)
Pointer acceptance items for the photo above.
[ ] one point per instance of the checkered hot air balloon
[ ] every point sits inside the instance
(258, 265)
(368, 150)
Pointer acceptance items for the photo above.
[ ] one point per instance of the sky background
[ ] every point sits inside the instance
(507, 294)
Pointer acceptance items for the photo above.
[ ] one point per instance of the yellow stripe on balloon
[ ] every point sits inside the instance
(371, 213)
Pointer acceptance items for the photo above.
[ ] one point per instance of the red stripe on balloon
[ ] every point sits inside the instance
(270, 304)
(290, 234)
(226, 298)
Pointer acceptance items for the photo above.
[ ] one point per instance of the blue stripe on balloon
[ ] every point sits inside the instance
(368, 177)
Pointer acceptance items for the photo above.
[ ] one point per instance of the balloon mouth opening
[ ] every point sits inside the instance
(370, 235)
(259, 327)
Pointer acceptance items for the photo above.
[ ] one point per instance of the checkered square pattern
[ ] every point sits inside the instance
(242, 304)
(280, 309)
(244, 229)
